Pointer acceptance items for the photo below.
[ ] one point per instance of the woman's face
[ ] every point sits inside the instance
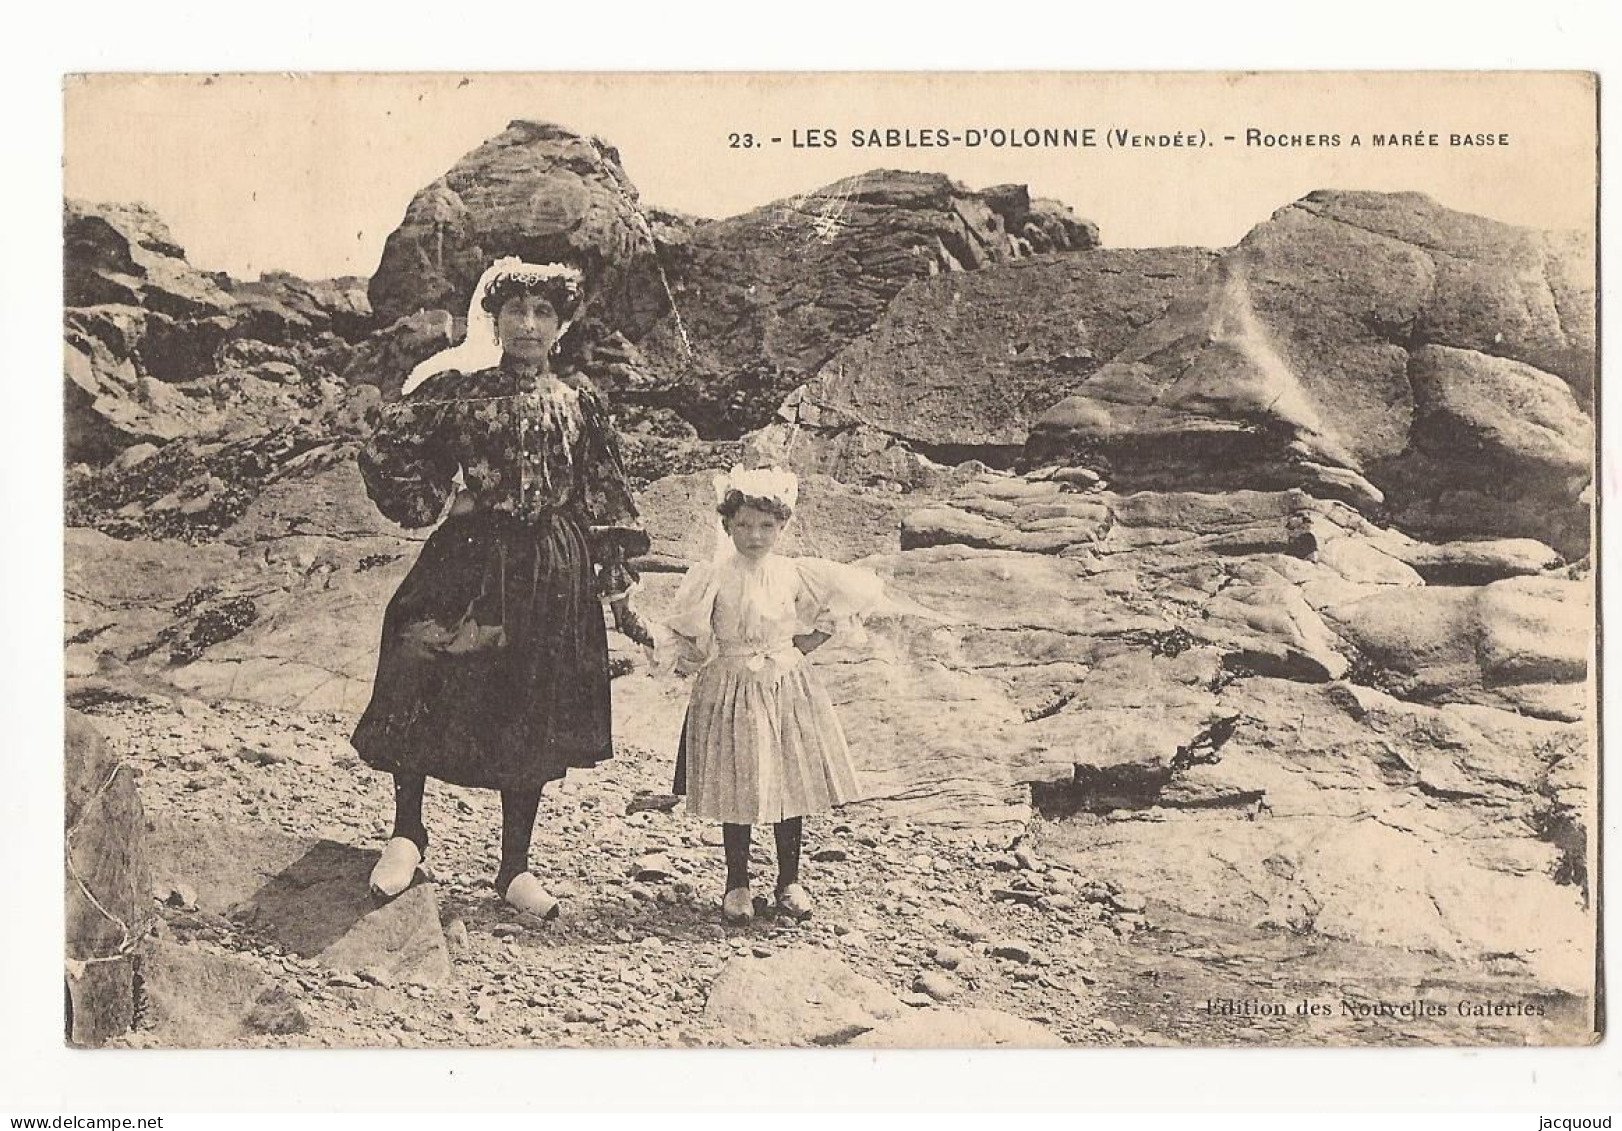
(754, 532)
(527, 326)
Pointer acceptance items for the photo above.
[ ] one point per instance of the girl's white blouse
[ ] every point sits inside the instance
(753, 610)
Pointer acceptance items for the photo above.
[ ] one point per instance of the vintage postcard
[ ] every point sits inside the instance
(855, 560)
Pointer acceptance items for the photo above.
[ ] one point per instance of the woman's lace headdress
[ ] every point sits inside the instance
(479, 349)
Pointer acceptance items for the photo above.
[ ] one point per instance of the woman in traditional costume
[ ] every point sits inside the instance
(493, 670)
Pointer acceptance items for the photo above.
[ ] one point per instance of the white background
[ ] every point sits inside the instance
(38, 1075)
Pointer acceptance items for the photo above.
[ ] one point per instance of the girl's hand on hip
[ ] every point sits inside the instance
(808, 642)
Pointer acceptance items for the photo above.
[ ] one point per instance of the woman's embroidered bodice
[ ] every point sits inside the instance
(525, 446)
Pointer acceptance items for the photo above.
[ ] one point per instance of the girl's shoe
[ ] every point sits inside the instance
(794, 901)
(526, 893)
(395, 868)
(738, 905)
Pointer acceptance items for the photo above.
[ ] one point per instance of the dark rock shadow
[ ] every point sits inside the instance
(314, 901)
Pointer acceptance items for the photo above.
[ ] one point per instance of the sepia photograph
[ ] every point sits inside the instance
(830, 560)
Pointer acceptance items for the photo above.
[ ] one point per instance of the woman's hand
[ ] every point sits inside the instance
(465, 502)
(808, 642)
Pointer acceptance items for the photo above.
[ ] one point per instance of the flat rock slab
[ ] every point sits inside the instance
(197, 998)
(308, 894)
(1477, 563)
(801, 996)
(1520, 643)
(320, 907)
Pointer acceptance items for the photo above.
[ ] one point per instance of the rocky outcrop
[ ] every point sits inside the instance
(1247, 707)
(765, 299)
(1341, 811)
(1255, 685)
(293, 614)
(285, 605)
(108, 908)
(965, 363)
(157, 350)
(124, 255)
(280, 308)
(1362, 345)
(192, 491)
(1214, 632)
(727, 316)
(175, 425)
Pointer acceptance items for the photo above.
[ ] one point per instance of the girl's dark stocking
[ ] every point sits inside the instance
(735, 838)
(788, 835)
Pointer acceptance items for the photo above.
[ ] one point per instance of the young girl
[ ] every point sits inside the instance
(761, 743)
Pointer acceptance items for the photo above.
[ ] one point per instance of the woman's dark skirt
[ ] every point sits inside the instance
(493, 671)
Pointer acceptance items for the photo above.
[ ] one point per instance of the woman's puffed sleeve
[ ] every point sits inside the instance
(614, 528)
(833, 598)
(684, 638)
(407, 465)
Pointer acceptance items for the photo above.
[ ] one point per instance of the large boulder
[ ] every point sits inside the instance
(1355, 344)
(108, 909)
(537, 191)
(764, 300)
(1497, 447)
